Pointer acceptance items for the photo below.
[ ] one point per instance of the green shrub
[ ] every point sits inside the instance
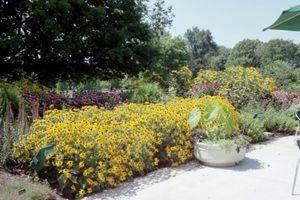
(9, 93)
(181, 80)
(94, 84)
(292, 109)
(239, 84)
(89, 84)
(250, 126)
(148, 92)
(276, 120)
(279, 121)
(286, 75)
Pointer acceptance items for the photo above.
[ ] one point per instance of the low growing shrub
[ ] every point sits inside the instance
(291, 111)
(148, 92)
(53, 100)
(250, 125)
(285, 99)
(279, 121)
(200, 90)
(97, 98)
(270, 119)
(181, 81)
(286, 75)
(97, 148)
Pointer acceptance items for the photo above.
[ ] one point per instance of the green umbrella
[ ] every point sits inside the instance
(288, 20)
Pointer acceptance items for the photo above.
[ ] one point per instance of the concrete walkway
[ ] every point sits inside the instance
(266, 173)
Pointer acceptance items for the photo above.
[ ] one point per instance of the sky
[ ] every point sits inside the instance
(231, 21)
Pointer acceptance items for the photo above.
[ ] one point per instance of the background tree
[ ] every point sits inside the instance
(173, 55)
(160, 18)
(244, 53)
(279, 50)
(68, 38)
(286, 75)
(201, 46)
(218, 62)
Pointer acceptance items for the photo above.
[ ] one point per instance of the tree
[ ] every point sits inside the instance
(244, 54)
(279, 50)
(286, 75)
(160, 18)
(173, 55)
(218, 62)
(201, 46)
(69, 38)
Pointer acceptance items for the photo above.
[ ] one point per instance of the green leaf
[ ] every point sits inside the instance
(259, 115)
(39, 159)
(194, 118)
(74, 180)
(62, 181)
(212, 111)
(229, 124)
(74, 171)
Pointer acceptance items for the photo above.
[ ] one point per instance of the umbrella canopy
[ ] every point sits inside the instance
(288, 20)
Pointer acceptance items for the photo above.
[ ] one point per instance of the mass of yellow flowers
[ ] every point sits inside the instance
(98, 148)
(238, 84)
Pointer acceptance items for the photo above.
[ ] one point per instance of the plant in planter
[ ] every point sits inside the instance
(216, 144)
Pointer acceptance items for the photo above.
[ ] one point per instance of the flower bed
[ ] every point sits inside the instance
(98, 148)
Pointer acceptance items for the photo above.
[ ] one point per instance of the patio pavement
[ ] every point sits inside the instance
(266, 173)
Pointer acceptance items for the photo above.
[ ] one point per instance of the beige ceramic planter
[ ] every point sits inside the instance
(214, 155)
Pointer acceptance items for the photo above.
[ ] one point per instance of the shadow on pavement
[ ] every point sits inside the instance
(247, 164)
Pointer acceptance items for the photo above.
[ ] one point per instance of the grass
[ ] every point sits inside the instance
(17, 188)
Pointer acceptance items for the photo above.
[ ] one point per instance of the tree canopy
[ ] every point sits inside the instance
(279, 50)
(67, 38)
(244, 54)
(201, 46)
(160, 18)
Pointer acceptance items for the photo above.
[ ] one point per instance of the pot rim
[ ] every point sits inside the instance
(214, 145)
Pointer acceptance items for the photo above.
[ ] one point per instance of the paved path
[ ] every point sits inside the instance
(266, 173)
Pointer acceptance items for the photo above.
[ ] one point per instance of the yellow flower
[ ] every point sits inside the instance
(156, 161)
(120, 142)
(70, 163)
(82, 155)
(81, 164)
(49, 156)
(111, 181)
(81, 192)
(68, 175)
(89, 190)
(86, 172)
(73, 187)
(100, 177)
(58, 163)
(90, 181)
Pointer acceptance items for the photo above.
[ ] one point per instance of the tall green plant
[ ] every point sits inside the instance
(214, 111)
(148, 92)
(13, 122)
(8, 94)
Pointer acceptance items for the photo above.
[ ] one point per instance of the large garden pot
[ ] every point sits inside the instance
(214, 155)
